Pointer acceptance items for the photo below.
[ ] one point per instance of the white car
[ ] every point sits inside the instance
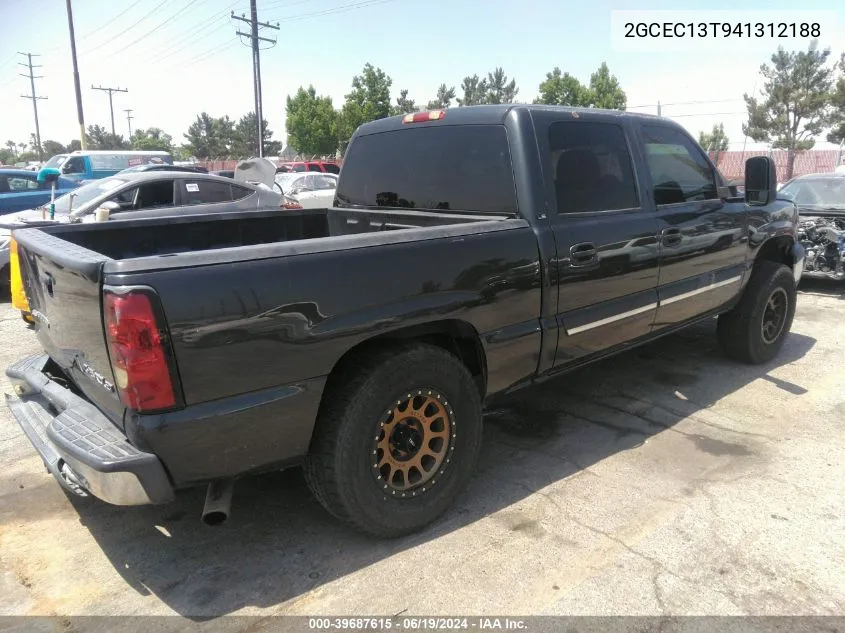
(311, 189)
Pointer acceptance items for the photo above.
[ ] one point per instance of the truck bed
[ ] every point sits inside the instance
(179, 236)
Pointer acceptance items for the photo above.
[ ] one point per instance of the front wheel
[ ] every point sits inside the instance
(755, 330)
(396, 441)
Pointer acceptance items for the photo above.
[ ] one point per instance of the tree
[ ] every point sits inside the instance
(13, 148)
(499, 89)
(560, 88)
(74, 146)
(475, 91)
(795, 103)
(443, 99)
(605, 91)
(208, 137)
(563, 89)
(369, 100)
(837, 133)
(311, 123)
(715, 141)
(152, 139)
(404, 105)
(51, 148)
(244, 137)
(98, 137)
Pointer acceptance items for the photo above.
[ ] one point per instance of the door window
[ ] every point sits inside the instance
(592, 168)
(240, 192)
(679, 171)
(314, 167)
(74, 165)
(20, 183)
(155, 195)
(206, 192)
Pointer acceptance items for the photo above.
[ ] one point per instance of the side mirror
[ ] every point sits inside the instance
(761, 182)
(48, 174)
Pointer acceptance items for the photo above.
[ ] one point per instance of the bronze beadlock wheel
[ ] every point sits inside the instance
(413, 443)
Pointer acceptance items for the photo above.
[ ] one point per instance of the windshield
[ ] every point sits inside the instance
(816, 193)
(84, 195)
(57, 161)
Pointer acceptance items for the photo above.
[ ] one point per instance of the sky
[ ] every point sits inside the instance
(178, 58)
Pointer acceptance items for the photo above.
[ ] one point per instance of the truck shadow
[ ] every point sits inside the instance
(822, 287)
(279, 544)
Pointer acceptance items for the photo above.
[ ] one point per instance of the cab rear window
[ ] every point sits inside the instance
(449, 168)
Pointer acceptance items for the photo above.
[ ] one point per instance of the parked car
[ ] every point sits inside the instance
(142, 195)
(164, 167)
(20, 189)
(312, 191)
(821, 203)
(309, 165)
(465, 259)
(95, 164)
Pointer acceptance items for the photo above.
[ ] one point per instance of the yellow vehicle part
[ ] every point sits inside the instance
(19, 299)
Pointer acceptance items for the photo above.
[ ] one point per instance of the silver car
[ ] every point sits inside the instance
(142, 195)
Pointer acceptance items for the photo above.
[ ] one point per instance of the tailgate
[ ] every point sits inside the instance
(63, 286)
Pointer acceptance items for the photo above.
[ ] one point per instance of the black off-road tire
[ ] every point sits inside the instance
(741, 331)
(339, 468)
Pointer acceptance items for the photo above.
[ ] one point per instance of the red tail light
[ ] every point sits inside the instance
(289, 203)
(138, 355)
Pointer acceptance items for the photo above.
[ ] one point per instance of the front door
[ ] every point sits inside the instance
(606, 269)
(703, 235)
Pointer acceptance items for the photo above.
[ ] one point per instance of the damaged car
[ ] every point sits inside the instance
(820, 199)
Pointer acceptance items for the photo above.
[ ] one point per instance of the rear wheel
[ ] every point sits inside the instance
(397, 441)
(755, 330)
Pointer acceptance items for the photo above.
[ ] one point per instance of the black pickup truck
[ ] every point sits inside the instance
(469, 252)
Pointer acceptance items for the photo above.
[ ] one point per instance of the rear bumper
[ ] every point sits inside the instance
(79, 445)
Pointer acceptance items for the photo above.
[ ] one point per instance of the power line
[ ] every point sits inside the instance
(341, 9)
(34, 98)
(114, 19)
(156, 28)
(128, 28)
(194, 38)
(659, 104)
(111, 106)
(212, 52)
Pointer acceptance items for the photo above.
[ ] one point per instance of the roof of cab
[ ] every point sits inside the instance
(494, 114)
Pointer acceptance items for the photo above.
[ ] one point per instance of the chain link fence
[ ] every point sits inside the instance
(732, 163)
(229, 163)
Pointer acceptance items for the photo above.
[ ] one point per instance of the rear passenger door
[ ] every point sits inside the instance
(606, 239)
(202, 196)
(703, 233)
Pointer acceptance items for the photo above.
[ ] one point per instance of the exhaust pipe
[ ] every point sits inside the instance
(218, 501)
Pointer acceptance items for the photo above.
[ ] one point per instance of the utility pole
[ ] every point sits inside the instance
(79, 116)
(129, 118)
(659, 109)
(256, 64)
(34, 98)
(111, 105)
